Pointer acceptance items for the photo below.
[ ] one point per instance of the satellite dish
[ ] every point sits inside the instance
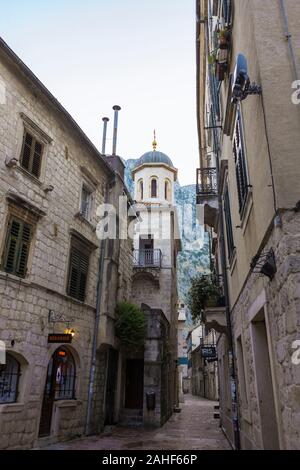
(241, 86)
(241, 79)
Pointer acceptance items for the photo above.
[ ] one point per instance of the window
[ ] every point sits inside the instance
(61, 375)
(17, 246)
(140, 190)
(31, 156)
(226, 11)
(154, 187)
(78, 270)
(9, 379)
(228, 222)
(86, 202)
(240, 163)
(167, 190)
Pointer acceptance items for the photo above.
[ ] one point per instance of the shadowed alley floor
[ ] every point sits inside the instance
(192, 429)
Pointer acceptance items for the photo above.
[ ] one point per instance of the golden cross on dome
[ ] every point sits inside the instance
(154, 143)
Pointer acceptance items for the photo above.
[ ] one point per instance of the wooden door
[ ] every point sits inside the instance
(134, 384)
(48, 401)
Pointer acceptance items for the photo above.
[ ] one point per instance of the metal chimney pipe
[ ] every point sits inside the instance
(105, 121)
(116, 110)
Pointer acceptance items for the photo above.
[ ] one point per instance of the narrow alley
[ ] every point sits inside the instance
(194, 428)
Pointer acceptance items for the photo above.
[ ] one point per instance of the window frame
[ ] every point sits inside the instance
(17, 374)
(168, 190)
(154, 179)
(71, 392)
(240, 161)
(140, 189)
(90, 191)
(35, 140)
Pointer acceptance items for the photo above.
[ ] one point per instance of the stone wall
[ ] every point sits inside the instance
(280, 301)
(68, 162)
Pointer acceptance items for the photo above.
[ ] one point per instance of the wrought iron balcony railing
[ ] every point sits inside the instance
(147, 258)
(207, 182)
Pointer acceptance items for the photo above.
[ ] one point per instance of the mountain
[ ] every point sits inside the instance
(194, 257)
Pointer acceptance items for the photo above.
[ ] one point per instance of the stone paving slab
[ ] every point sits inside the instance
(192, 429)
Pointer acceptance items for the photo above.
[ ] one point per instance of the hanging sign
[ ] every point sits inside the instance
(59, 338)
(208, 352)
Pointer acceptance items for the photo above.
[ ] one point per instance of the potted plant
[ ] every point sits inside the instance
(204, 292)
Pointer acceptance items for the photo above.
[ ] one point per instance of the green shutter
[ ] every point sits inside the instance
(23, 251)
(17, 247)
(11, 248)
(79, 264)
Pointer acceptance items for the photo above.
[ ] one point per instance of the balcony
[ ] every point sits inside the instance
(147, 258)
(214, 314)
(207, 195)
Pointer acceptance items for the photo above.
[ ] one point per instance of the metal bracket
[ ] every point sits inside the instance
(265, 264)
(57, 317)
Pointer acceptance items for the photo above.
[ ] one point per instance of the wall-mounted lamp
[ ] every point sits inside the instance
(241, 85)
(265, 264)
(70, 331)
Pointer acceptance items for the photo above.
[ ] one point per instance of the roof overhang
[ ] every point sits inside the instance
(155, 165)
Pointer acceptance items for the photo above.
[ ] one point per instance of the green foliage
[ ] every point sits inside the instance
(201, 292)
(130, 325)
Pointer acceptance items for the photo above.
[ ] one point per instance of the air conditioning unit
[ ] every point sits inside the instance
(241, 86)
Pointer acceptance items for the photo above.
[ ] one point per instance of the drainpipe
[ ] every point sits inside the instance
(288, 37)
(103, 244)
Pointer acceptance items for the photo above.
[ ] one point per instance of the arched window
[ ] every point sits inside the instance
(140, 190)
(167, 190)
(61, 375)
(9, 379)
(154, 187)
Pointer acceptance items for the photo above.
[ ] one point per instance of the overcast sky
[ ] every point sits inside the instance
(92, 54)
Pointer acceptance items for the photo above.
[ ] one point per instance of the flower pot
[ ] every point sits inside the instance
(212, 302)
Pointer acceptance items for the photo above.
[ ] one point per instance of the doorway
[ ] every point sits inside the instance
(111, 385)
(265, 390)
(60, 385)
(146, 247)
(134, 387)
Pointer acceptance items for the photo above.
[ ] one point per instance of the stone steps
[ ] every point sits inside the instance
(131, 418)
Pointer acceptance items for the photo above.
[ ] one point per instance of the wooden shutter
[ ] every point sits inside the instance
(79, 264)
(28, 140)
(23, 250)
(17, 247)
(228, 222)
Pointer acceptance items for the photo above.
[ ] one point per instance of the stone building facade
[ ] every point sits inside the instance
(156, 245)
(248, 185)
(183, 330)
(204, 374)
(52, 179)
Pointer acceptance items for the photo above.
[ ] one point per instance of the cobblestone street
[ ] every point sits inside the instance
(194, 428)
